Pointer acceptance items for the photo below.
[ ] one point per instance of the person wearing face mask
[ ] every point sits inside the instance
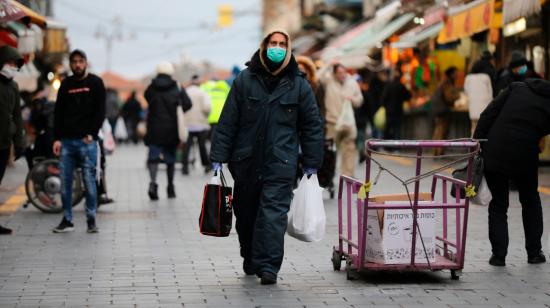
(79, 114)
(269, 113)
(516, 71)
(11, 124)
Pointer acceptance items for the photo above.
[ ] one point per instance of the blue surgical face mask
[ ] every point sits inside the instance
(276, 54)
(522, 70)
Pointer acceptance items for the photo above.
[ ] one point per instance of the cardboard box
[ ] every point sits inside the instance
(389, 235)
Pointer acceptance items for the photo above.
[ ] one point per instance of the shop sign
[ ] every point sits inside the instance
(474, 18)
(515, 27)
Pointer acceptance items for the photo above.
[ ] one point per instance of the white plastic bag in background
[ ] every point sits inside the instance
(121, 133)
(483, 195)
(306, 217)
(108, 140)
(345, 124)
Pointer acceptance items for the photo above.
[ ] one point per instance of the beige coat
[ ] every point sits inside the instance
(337, 93)
(197, 117)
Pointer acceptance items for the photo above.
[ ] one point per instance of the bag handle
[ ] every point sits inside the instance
(222, 177)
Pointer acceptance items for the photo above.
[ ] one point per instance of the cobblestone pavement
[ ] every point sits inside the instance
(150, 254)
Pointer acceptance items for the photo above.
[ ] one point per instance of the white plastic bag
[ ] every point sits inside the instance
(121, 133)
(306, 218)
(345, 124)
(483, 195)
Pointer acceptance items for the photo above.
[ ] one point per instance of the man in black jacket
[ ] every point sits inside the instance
(11, 124)
(269, 112)
(79, 114)
(513, 124)
(163, 96)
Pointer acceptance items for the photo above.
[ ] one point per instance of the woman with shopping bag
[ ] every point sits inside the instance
(342, 94)
(269, 112)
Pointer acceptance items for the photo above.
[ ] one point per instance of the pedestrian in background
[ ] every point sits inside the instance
(218, 91)
(373, 97)
(11, 123)
(394, 96)
(163, 96)
(339, 88)
(112, 111)
(443, 100)
(131, 112)
(270, 112)
(196, 120)
(516, 71)
(79, 114)
(513, 124)
(479, 90)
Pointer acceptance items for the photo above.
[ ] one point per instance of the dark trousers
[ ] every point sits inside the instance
(4, 158)
(261, 209)
(527, 184)
(393, 128)
(201, 140)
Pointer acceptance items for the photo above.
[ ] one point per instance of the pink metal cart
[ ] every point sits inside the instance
(450, 243)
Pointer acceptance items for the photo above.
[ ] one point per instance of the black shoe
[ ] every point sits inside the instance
(103, 199)
(247, 268)
(64, 226)
(171, 191)
(536, 259)
(184, 170)
(153, 195)
(92, 228)
(497, 261)
(5, 231)
(268, 278)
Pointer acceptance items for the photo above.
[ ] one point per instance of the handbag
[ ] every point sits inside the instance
(183, 132)
(345, 124)
(462, 174)
(216, 216)
(306, 217)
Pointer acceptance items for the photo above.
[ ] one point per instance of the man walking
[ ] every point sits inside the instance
(79, 114)
(11, 125)
(197, 124)
(270, 111)
(341, 88)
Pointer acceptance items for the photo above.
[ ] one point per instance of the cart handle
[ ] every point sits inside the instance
(465, 143)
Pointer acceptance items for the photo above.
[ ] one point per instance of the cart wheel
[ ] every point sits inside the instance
(351, 271)
(455, 274)
(336, 260)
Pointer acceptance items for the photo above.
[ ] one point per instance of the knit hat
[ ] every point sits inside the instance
(166, 68)
(517, 59)
(8, 53)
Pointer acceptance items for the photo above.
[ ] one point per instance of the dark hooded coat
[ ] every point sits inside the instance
(163, 96)
(264, 120)
(513, 123)
(11, 124)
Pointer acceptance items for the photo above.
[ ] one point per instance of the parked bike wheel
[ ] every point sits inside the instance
(43, 186)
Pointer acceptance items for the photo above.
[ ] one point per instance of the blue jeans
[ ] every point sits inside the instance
(75, 153)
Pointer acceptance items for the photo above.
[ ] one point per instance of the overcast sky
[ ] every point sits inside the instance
(160, 30)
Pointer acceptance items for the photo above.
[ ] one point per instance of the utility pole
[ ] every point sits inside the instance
(110, 35)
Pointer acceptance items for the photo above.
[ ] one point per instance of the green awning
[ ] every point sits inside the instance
(413, 37)
(375, 35)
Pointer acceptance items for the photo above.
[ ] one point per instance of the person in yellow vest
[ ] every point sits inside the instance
(218, 91)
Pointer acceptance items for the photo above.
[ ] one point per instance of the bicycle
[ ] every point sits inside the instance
(43, 186)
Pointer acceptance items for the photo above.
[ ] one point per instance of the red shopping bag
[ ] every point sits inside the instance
(216, 216)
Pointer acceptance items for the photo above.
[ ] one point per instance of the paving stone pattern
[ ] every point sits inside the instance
(150, 254)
